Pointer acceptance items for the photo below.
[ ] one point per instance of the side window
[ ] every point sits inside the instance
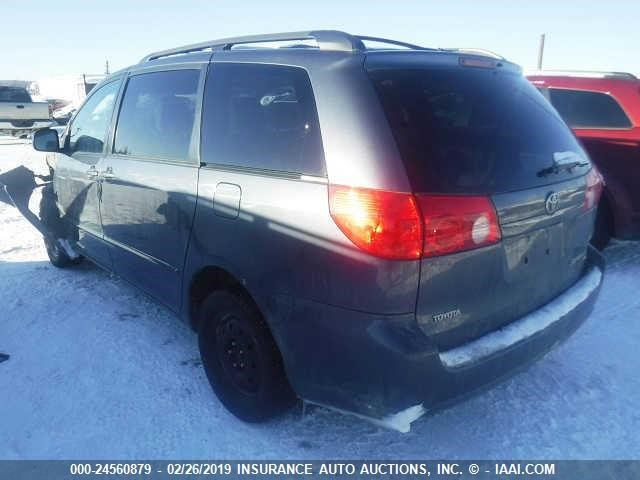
(261, 116)
(157, 115)
(89, 129)
(582, 109)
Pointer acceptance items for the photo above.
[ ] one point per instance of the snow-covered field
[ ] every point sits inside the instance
(98, 370)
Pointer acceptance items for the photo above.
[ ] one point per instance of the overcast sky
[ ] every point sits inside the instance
(41, 38)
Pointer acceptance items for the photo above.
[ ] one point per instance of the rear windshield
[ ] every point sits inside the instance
(14, 94)
(475, 130)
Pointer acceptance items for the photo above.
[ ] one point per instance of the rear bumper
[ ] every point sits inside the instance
(387, 369)
(25, 124)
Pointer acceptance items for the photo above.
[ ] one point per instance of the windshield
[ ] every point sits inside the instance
(475, 130)
(14, 94)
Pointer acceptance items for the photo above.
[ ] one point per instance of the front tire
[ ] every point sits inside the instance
(50, 217)
(241, 359)
(57, 256)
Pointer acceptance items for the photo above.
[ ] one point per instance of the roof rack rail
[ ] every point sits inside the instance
(391, 42)
(326, 40)
(589, 73)
(475, 51)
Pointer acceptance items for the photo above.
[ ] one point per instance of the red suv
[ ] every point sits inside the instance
(603, 109)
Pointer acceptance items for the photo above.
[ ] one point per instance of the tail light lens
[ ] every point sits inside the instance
(457, 223)
(595, 184)
(402, 226)
(384, 224)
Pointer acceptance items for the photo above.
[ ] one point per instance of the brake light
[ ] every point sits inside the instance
(477, 62)
(384, 224)
(402, 226)
(457, 223)
(595, 184)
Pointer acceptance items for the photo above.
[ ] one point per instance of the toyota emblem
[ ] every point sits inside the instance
(551, 204)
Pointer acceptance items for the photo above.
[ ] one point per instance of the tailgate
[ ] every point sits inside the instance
(540, 256)
(485, 132)
(10, 111)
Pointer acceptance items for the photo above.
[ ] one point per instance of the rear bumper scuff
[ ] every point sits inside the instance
(525, 327)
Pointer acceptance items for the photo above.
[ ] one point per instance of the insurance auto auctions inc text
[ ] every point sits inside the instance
(394, 469)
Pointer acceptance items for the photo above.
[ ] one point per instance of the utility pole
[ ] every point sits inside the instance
(541, 51)
(106, 67)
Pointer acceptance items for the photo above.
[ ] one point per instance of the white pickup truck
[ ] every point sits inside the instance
(19, 115)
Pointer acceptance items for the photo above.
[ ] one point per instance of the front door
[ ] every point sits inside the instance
(77, 171)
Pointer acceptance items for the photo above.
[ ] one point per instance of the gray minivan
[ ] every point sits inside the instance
(377, 230)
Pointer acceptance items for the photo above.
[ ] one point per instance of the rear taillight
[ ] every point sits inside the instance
(595, 184)
(402, 226)
(384, 224)
(457, 223)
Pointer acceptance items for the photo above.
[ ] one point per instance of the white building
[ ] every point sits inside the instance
(70, 88)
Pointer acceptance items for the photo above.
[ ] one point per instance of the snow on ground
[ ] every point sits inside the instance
(98, 370)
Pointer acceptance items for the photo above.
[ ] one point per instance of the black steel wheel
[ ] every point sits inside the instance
(236, 349)
(241, 359)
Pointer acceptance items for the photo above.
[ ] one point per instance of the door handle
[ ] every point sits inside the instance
(92, 173)
(108, 173)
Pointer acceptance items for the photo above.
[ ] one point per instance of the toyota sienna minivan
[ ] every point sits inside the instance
(356, 222)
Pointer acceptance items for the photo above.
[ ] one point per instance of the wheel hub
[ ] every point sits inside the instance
(237, 354)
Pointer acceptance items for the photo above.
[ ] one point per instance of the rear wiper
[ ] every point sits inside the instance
(560, 167)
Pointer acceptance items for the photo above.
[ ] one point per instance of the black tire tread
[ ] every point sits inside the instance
(275, 395)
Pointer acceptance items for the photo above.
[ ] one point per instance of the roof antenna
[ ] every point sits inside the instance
(106, 67)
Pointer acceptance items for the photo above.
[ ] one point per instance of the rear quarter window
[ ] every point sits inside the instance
(261, 117)
(583, 109)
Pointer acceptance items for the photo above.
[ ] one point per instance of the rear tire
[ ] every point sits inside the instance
(241, 359)
(603, 226)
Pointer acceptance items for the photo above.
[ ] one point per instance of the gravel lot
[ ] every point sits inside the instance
(98, 370)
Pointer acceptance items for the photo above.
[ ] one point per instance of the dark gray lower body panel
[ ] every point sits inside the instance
(378, 366)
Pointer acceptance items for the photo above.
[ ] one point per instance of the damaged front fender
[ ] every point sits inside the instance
(16, 187)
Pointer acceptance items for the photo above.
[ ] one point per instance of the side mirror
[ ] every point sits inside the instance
(46, 140)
